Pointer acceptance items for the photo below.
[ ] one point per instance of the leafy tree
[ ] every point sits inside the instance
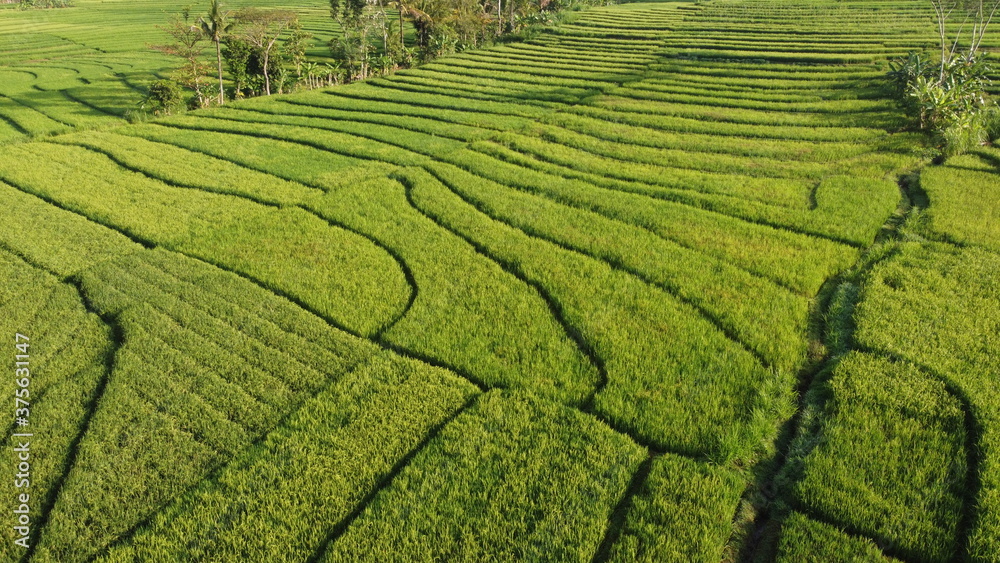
(262, 29)
(977, 12)
(949, 98)
(163, 98)
(360, 20)
(187, 45)
(237, 53)
(295, 47)
(215, 26)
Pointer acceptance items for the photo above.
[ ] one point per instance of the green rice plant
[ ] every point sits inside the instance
(477, 86)
(60, 107)
(430, 144)
(28, 120)
(511, 478)
(561, 61)
(783, 150)
(287, 249)
(910, 495)
(725, 407)
(591, 32)
(297, 111)
(367, 92)
(664, 86)
(111, 96)
(551, 74)
(290, 161)
(680, 170)
(66, 350)
(716, 101)
(554, 98)
(468, 312)
(366, 139)
(206, 368)
(808, 541)
(839, 213)
(936, 306)
(715, 287)
(683, 512)
(963, 196)
(706, 109)
(178, 166)
(694, 124)
(341, 143)
(633, 47)
(781, 86)
(180, 286)
(67, 244)
(561, 54)
(794, 260)
(312, 470)
(9, 131)
(624, 241)
(476, 119)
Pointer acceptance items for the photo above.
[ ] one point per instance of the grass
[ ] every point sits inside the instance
(554, 299)
(68, 244)
(910, 495)
(945, 298)
(963, 195)
(682, 513)
(493, 474)
(652, 382)
(337, 446)
(814, 542)
(285, 248)
(67, 348)
(170, 391)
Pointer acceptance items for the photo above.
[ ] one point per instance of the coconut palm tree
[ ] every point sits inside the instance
(214, 27)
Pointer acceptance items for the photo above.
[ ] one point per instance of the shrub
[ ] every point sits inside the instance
(164, 97)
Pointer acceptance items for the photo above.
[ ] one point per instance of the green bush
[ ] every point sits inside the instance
(164, 97)
(950, 100)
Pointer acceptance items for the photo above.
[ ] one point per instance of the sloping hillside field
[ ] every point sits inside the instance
(641, 288)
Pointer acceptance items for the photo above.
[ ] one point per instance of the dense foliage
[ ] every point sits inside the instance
(949, 97)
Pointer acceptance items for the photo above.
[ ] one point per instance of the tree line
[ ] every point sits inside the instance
(264, 51)
(948, 95)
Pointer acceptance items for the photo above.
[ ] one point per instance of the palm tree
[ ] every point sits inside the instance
(215, 26)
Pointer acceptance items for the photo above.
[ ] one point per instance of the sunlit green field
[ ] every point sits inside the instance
(642, 287)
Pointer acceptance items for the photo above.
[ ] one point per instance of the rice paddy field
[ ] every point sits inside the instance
(666, 281)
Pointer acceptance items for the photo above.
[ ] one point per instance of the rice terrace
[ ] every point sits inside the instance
(500, 280)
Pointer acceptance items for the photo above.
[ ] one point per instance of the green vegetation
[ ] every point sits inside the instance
(639, 284)
(288, 249)
(950, 97)
(809, 541)
(68, 348)
(964, 200)
(357, 428)
(945, 299)
(686, 387)
(909, 494)
(208, 364)
(491, 475)
(683, 513)
(458, 287)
